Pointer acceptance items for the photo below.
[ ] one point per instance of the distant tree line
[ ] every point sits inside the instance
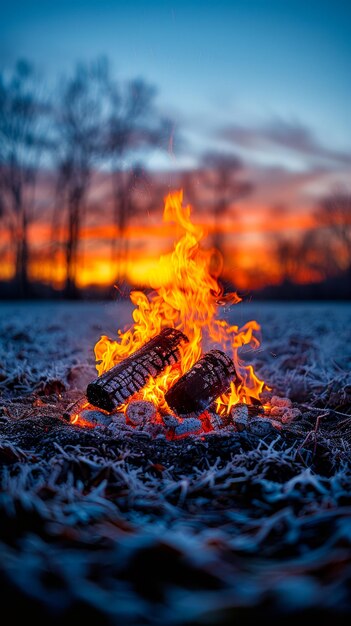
(93, 123)
(323, 251)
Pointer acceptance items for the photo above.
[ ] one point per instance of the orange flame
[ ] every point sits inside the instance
(186, 295)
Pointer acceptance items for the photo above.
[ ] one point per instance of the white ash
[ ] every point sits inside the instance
(240, 416)
(190, 426)
(119, 419)
(118, 428)
(140, 412)
(216, 421)
(239, 410)
(241, 424)
(227, 429)
(171, 422)
(96, 417)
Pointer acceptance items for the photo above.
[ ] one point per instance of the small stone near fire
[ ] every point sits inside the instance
(239, 410)
(285, 403)
(277, 411)
(140, 412)
(277, 425)
(96, 417)
(240, 416)
(284, 414)
(289, 415)
(190, 426)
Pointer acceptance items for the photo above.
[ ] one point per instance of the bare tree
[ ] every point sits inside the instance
(21, 146)
(288, 255)
(222, 177)
(315, 254)
(133, 126)
(79, 125)
(133, 183)
(333, 216)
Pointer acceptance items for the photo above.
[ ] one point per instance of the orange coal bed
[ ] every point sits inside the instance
(177, 368)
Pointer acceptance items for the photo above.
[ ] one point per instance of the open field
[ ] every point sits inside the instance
(197, 531)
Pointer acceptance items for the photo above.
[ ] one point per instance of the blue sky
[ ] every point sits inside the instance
(249, 64)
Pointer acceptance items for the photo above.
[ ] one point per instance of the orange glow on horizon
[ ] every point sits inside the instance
(248, 256)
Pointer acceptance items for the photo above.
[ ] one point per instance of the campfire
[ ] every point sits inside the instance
(178, 366)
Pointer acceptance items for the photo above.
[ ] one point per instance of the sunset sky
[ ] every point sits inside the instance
(266, 80)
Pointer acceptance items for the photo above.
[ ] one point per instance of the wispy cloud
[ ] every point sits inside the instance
(288, 136)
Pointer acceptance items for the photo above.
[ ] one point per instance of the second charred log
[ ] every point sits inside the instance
(122, 381)
(194, 392)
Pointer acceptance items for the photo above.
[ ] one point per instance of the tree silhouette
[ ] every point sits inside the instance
(133, 125)
(222, 179)
(22, 116)
(79, 125)
(323, 251)
(288, 253)
(333, 215)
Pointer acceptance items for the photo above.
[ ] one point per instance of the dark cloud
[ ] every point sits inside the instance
(276, 185)
(291, 136)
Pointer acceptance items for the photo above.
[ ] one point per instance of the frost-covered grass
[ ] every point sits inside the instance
(201, 531)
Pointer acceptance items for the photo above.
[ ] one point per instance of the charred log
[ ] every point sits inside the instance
(194, 392)
(122, 381)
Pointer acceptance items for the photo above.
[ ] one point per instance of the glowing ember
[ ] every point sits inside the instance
(186, 296)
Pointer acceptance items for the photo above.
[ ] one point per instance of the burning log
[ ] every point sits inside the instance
(122, 381)
(194, 392)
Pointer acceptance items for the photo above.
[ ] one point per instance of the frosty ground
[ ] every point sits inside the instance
(140, 531)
